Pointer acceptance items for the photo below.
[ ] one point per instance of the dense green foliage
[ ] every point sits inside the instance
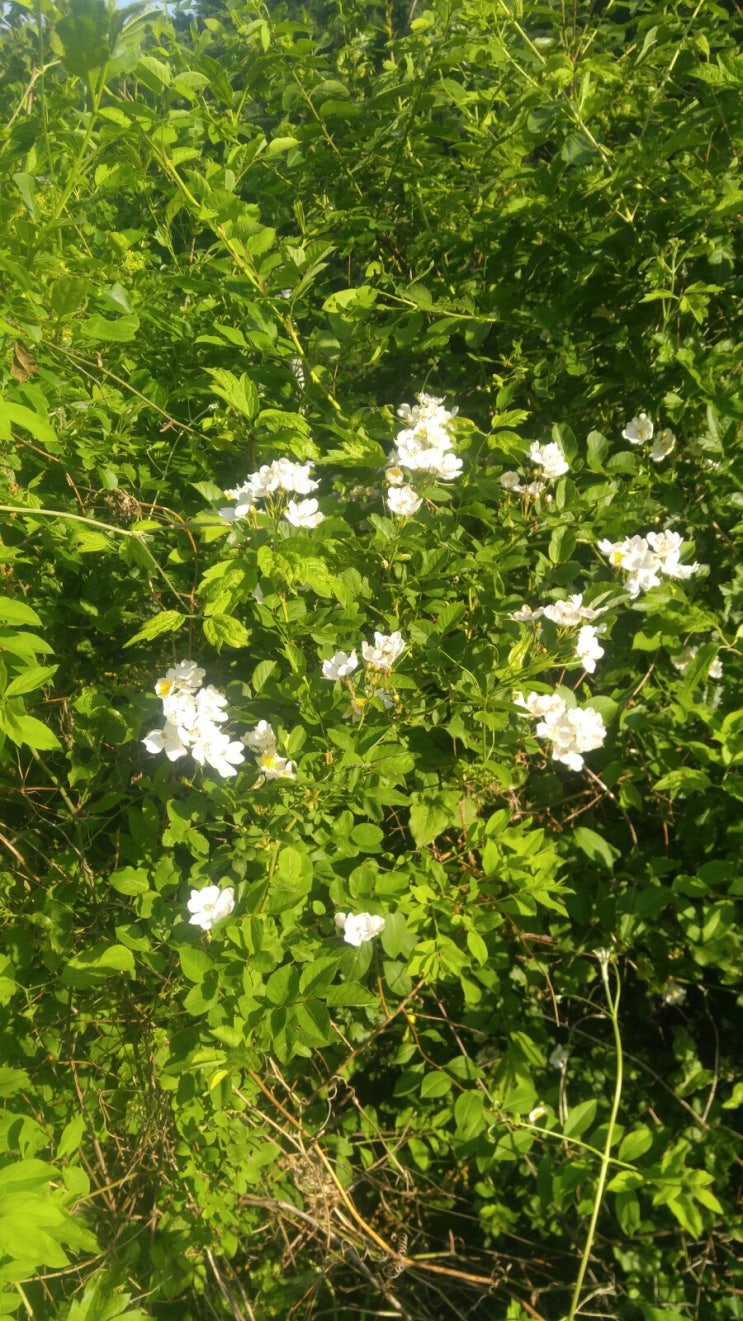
(253, 232)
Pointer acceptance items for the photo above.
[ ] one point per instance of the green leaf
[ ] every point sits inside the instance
(17, 415)
(27, 729)
(595, 847)
(35, 676)
(168, 621)
(130, 881)
(580, 1117)
(430, 814)
(685, 780)
(239, 392)
(103, 331)
(562, 544)
(469, 1115)
(17, 612)
(71, 1137)
(225, 631)
(95, 965)
(635, 1144)
(195, 963)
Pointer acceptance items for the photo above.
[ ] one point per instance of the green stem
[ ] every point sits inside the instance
(613, 1003)
(96, 522)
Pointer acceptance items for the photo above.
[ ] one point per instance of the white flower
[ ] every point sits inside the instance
(403, 500)
(384, 653)
(358, 927)
(428, 411)
(525, 615)
(261, 738)
(210, 905)
(662, 446)
(559, 1058)
(210, 704)
(639, 431)
(587, 648)
(538, 1112)
(294, 477)
(340, 665)
(572, 730)
(395, 476)
(668, 546)
(185, 677)
(275, 767)
(304, 513)
(550, 457)
(637, 559)
(540, 705)
(167, 740)
(673, 994)
(510, 480)
(214, 748)
(534, 489)
(579, 730)
(568, 614)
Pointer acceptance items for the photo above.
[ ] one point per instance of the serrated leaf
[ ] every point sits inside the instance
(225, 631)
(168, 621)
(35, 676)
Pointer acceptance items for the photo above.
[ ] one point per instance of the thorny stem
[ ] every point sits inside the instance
(613, 1002)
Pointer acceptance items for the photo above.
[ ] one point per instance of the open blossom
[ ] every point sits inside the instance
(260, 738)
(639, 431)
(274, 767)
(644, 558)
(193, 716)
(358, 928)
(662, 446)
(394, 476)
(214, 748)
(387, 647)
(425, 444)
(283, 475)
(210, 905)
(550, 458)
(428, 411)
(587, 648)
(572, 730)
(303, 513)
(525, 614)
(403, 500)
(510, 480)
(340, 665)
(570, 613)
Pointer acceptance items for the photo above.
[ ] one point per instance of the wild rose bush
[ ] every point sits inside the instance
(370, 654)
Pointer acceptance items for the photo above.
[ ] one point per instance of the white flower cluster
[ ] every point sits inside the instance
(262, 743)
(645, 558)
(192, 718)
(572, 730)
(569, 614)
(358, 928)
(210, 905)
(552, 462)
(381, 655)
(424, 445)
(274, 481)
(640, 431)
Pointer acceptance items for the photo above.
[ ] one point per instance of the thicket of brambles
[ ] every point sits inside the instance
(370, 647)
